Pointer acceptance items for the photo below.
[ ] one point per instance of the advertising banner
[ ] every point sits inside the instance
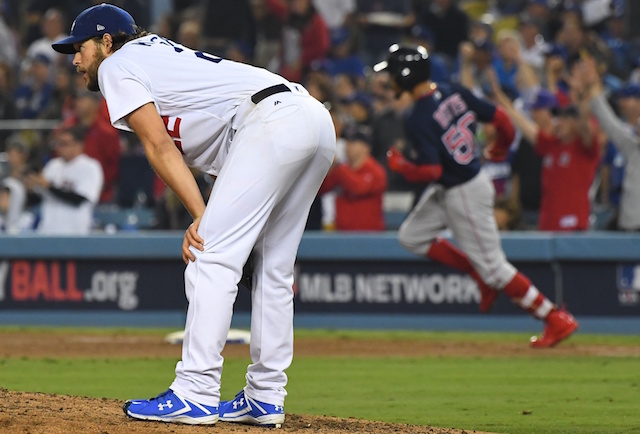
(321, 286)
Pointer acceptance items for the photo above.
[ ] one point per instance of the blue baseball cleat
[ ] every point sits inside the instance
(171, 407)
(247, 410)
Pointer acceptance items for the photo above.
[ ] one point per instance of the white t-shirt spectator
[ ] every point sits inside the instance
(82, 176)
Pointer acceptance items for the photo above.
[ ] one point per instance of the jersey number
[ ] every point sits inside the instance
(459, 140)
(178, 49)
(174, 131)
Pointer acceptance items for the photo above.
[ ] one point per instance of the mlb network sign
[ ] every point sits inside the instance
(367, 287)
(387, 288)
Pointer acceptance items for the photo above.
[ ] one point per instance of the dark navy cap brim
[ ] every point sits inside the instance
(65, 46)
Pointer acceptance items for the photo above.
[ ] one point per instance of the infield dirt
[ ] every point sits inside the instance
(37, 413)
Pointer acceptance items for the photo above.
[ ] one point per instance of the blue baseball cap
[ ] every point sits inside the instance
(630, 90)
(544, 100)
(556, 50)
(362, 98)
(96, 21)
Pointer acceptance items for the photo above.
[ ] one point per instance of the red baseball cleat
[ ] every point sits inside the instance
(559, 325)
(487, 296)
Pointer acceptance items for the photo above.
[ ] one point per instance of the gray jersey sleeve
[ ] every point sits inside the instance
(619, 133)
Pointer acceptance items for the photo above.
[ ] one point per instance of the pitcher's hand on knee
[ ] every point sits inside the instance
(192, 239)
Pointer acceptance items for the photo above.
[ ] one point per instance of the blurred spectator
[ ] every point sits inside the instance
(268, 36)
(362, 182)
(449, 24)
(572, 36)
(343, 57)
(337, 14)
(305, 37)
(555, 69)
(533, 42)
(539, 10)
(320, 85)
(507, 63)
(360, 106)
(571, 154)
(345, 85)
(70, 186)
(382, 23)
(481, 31)
(62, 102)
(101, 139)
(613, 165)
(615, 37)
(476, 59)
(17, 151)
(625, 138)
(7, 106)
(579, 41)
(629, 104)
(189, 33)
(233, 22)
(13, 217)
(526, 166)
(53, 28)
(33, 95)
(8, 45)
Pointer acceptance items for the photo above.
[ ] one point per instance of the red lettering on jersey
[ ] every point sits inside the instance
(174, 133)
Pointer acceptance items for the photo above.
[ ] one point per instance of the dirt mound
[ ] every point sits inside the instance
(39, 413)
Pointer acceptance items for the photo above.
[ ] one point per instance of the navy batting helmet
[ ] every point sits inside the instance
(407, 64)
(96, 21)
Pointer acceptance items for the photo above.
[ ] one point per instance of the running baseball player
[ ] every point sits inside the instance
(441, 126)
(270, 145)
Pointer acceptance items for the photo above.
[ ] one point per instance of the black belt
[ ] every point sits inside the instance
(265, 93)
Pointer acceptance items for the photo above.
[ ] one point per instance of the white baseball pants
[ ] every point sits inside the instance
(260, 201)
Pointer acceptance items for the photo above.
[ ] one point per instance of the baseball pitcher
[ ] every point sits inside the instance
(270, 145)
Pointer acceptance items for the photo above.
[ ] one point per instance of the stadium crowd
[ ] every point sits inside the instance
(566, 72)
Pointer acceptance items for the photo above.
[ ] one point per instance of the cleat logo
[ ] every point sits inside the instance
(167, 404)
(237, 404)
(276, 103)
(278, 407)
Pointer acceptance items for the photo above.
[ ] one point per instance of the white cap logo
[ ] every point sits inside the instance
(100, 27)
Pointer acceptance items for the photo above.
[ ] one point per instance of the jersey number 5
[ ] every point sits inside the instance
(459, 140)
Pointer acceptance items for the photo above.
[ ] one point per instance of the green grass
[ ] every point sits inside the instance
(501, 394)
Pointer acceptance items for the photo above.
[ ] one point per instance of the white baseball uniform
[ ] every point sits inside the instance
(270, 158)
(81, 175)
